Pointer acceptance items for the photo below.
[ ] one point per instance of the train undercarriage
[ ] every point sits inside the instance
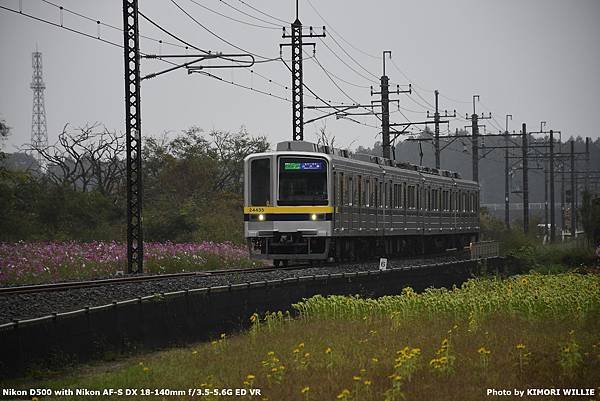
(282, 247)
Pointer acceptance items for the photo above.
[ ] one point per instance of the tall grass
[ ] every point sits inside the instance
(531, 331)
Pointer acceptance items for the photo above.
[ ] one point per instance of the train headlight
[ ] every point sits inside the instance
(314, 217)
(261, 217)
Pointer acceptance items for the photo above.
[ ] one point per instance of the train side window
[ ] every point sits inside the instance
(359, 199)
(374, 193)
(350, 191)
(336, 189)
(341, 189)
(390, 195)
(419, 197)
(428, 199)
(367, 193)
(260, 182)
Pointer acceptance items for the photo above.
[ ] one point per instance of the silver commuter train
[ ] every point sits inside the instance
(306, 202)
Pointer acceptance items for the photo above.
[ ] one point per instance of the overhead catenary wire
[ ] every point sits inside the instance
(339, 35)
(346, 64)
(261, 12)
(165, 61)
(116, 28)
(235, 19)
(265, 58)
(61, 26)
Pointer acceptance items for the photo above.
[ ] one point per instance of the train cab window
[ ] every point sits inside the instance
(302, 181)
(260, 182)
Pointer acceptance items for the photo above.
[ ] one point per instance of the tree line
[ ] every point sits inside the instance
(75, 188)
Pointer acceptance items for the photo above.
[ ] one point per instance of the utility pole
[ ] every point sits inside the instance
(385, 106)
(525, 181)
(506, 181)
(587, 164)
(385, 109)
(133, 134)
(573, 187)
(552, 205)
(436, 122)
(545, 169)
(436, 118)
(562, 195)
(297, 83)
(475, 139)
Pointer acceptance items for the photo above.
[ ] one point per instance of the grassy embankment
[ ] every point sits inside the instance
(529, 331)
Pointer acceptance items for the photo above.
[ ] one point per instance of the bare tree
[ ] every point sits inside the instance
(86, 158)
(324, 138)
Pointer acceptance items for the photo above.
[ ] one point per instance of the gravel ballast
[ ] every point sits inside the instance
(33, 305)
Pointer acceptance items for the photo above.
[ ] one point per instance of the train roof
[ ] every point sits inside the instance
(304, 146)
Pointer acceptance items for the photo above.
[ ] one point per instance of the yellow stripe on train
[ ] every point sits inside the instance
(287, 209)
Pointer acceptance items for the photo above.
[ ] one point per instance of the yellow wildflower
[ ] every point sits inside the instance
(328, 350)
(305, 390)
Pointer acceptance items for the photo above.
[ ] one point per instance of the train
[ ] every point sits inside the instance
(308, 202)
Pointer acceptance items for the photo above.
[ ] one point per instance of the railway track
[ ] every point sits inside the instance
(131, 279)
(69, 285)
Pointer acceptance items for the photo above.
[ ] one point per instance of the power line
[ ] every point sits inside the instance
(165, 61)
(345, 81)
(235, 19)
(333, 81)
(265, 59)
(259, 11)
(340, 36)
(61, 26)
(100, 23)
(346, 64)
(231, 82)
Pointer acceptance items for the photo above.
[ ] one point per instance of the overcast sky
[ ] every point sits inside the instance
(535, 59)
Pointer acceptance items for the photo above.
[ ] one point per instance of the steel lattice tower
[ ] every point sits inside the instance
(39, 130)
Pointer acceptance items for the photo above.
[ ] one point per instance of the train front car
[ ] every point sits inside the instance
(287, 203)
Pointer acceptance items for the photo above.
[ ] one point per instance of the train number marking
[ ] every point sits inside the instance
(256, 210)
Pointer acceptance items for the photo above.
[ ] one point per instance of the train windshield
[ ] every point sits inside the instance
(302, 181)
